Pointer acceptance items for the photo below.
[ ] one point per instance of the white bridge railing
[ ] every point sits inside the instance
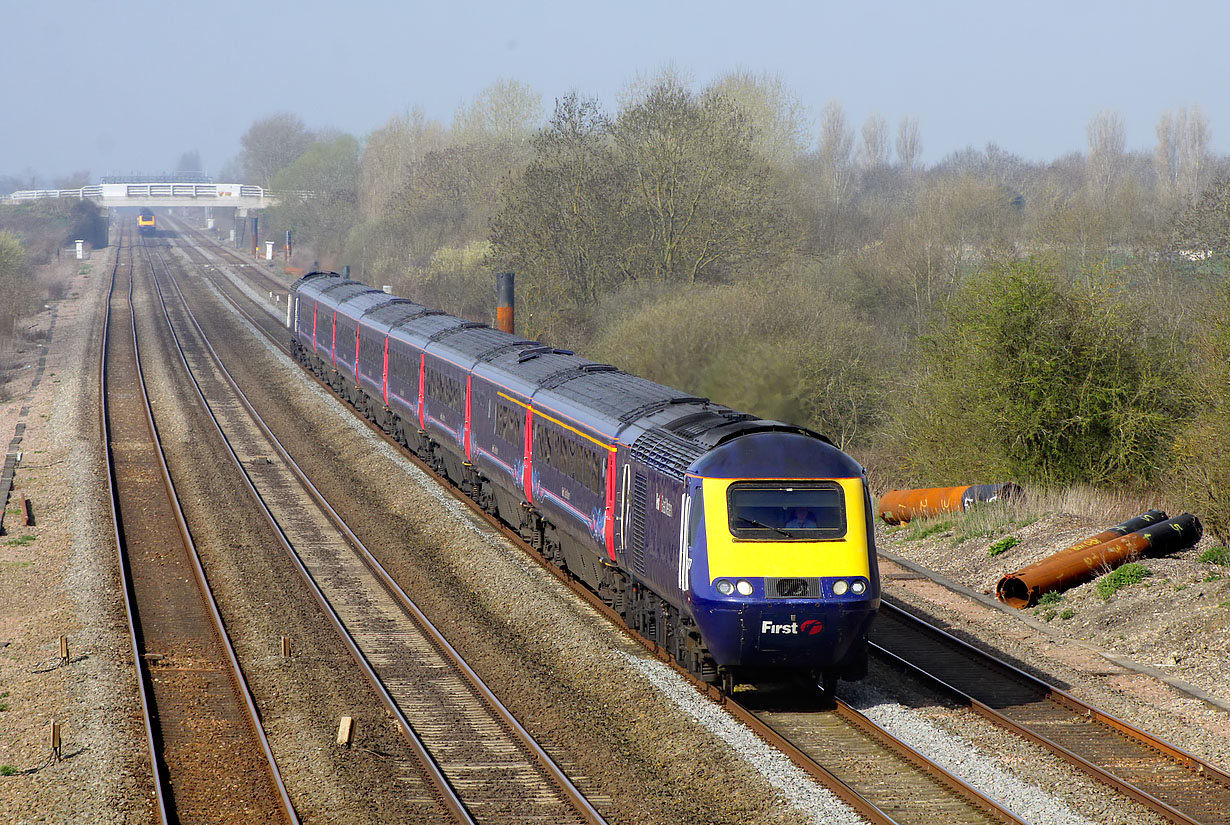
(147, 192)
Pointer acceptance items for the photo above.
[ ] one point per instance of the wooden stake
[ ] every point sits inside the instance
(55, 737)
(345, 730)
(285, 647)
(64, 649)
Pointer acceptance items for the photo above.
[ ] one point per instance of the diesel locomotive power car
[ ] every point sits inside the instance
(742, 546)
(145, 222)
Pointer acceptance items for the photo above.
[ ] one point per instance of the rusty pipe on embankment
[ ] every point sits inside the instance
(1150, 533)
(898, 506)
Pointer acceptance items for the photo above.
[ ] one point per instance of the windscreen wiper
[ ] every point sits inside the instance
(755, 523)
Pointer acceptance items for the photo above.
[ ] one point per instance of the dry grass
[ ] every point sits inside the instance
(1097, 503)
(991, 519)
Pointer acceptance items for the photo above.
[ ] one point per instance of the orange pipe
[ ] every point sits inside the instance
(1096, 555)
(898, 506)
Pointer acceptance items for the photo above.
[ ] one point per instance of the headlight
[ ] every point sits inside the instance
(840, 587)
(857, 588)
(744, 588)
(724, 587)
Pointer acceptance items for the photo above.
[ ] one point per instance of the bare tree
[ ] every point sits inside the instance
(909, 144)
(505, 110)
(835, 169)
(389, 155)
(701, 201)
(776, 115)
(873, 151)
(1193, 152)
(1166, 156)
(1106, 141)
(271, 144)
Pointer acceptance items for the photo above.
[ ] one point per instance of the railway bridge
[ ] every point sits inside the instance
(163, 193)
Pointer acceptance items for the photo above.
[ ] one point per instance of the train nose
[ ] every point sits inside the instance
(770, 635)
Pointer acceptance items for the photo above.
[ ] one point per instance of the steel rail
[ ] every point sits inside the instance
(234, 672)
(235, 675)
(447, 794)
(969, 793)
(156, 770)
(556, 774)
(808, 764)
(1148, 744)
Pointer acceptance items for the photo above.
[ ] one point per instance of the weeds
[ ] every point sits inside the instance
(1216, 555)
(1051, 597)
(1003, 545)
(986, 519)
(1121, 577)
(21, 541)
(926, 529)
(1213, 577)
(8, 770)
(1067, 614)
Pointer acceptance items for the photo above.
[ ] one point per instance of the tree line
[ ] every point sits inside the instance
(983, 318)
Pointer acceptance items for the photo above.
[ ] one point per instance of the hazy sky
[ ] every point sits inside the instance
(117, 87)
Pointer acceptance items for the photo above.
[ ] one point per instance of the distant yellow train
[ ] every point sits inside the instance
(145, 222)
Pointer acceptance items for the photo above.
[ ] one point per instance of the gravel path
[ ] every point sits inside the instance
(64, 580)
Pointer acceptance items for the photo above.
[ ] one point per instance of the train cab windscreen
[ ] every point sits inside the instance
(786, 510)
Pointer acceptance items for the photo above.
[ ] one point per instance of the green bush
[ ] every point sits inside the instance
(1216, 555)
(1201, 469)
(1124, 576)
(785, 351)
(1051, 597)
(1003, 545)
(8, 770)
(1030, 375)
(1067, 614)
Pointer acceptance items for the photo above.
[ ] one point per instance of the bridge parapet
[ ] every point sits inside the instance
(238, 195)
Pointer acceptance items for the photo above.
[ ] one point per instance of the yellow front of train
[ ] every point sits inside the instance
(783, 570)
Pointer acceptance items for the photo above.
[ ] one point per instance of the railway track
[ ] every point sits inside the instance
(483, 765)
(209, 756)
(871, 770)
(1175, 784)
(884, 779)
(1169, 781)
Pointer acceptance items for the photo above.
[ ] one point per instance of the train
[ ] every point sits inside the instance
(744, 547)
(146, 222)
